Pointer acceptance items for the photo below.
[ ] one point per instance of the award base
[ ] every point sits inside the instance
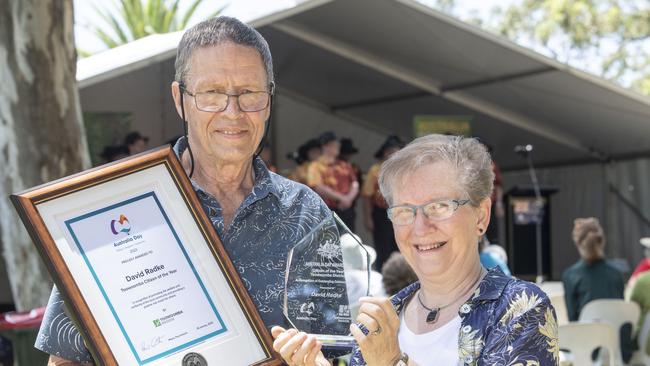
(336, 342)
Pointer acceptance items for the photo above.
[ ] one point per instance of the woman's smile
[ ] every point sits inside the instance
(429, 248)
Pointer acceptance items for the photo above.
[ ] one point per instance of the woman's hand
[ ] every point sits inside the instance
(380, 346)
(298, 348)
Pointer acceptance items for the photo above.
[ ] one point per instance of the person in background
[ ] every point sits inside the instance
(592, 277)
(136, 143)
(640, 294)
(356, 259)
(265, 155)
(307, 153)
(492, 255)
(113, 153)
(374, 204)
(397, 274)
(334, 180)
(644, 264)
(498, 211)
(347, 151)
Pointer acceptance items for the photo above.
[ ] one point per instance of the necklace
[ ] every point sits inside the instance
(434, 312)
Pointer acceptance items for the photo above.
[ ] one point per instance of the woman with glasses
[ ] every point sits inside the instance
(438, 190)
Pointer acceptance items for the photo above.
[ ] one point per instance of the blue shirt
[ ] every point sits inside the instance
(272, 218)
(490, 261)
(506, 322)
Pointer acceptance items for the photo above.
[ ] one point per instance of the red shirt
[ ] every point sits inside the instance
(643, 266)
(338, 175)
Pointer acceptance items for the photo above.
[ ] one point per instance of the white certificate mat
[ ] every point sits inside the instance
(144, 273)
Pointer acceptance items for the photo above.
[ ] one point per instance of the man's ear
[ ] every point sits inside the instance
(176, 94)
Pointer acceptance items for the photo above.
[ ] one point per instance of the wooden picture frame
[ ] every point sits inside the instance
(141, 269)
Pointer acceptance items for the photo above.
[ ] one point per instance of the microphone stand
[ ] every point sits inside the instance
(539, 205)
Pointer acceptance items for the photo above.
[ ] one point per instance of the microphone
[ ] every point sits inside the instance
(523, 149)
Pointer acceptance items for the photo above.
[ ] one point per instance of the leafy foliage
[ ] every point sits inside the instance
(610, 38)
(134, 19)
(614, 32)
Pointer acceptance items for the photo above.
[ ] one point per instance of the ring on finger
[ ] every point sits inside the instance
(378, 331)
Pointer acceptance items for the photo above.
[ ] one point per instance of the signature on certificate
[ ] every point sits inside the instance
(152, 343)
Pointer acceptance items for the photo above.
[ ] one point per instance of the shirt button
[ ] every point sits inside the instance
(465, 308)
(467, 329)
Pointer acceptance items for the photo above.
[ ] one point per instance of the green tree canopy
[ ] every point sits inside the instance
(610, 38)
(133, 19)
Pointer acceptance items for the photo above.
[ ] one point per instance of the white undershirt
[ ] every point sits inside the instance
(436, 348)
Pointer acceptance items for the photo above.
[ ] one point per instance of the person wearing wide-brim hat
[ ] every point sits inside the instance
(374, 205)
(644, 264)
(135, 142)
(638, 291)
(334, 179)
(307, 153)
(347, 151)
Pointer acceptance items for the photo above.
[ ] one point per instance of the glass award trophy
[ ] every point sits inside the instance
(315, 298)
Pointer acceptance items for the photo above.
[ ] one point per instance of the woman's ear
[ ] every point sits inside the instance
(483, 219)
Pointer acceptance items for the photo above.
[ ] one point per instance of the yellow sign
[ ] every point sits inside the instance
(446, 125)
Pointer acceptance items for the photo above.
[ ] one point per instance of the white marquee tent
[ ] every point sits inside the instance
(365, 68)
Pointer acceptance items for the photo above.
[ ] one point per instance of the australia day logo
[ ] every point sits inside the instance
(121, 226)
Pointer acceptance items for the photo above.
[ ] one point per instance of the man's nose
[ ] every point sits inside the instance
(232, 108)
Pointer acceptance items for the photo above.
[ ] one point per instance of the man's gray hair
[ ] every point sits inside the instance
(467, 156)
(216, 31)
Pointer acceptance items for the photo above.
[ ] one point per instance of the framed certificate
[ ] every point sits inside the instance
(142, 271)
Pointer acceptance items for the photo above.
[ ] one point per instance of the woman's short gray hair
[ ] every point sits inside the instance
(469, 157)
(216, 31)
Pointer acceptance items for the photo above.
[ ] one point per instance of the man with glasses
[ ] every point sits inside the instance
(223, 92)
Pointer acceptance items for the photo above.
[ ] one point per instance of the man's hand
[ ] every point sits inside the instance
(58, 361)
(298, 348)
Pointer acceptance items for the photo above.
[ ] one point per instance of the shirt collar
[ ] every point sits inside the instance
(490, 288)
(492, 285)
(263, 181)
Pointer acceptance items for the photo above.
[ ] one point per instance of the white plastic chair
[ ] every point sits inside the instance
(552, 288)
(560, 308)
(581, 339)
(615, 312)
(644, 339)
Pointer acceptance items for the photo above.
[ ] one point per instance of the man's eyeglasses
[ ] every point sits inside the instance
(437, 210)
(214, 101)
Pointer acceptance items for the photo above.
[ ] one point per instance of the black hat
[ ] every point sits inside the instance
(303, 151)
(326, 137)
(347, 147)
(391, 142)
(133, 137)
(111, 153)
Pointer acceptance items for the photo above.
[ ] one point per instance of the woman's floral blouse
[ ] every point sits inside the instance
(508, 322)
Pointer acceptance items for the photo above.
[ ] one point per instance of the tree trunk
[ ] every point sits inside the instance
(41, 131)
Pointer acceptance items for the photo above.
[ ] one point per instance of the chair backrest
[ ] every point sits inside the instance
(615, 312)
(552, 288)
(644, 340)
(612, 311)
(560, 309)
(581, 339)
